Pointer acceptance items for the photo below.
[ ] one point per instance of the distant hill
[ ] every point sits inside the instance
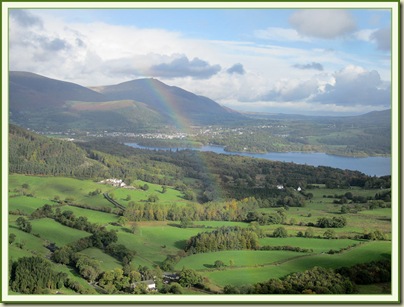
(42, 103)
(372, 118)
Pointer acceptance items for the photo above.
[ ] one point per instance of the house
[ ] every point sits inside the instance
(299, 189)
(114, 182)
(151, 284)
(280, 187)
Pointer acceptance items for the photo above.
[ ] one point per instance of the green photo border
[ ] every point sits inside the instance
(394, 298)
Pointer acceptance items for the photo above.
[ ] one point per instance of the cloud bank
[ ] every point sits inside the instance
(323, 23)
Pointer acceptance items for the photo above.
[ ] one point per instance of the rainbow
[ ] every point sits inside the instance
(171, 108)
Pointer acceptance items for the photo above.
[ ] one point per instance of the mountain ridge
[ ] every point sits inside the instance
(40, 102)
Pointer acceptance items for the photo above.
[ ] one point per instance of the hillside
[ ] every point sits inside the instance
(219, 227)
(179, 105)
(46, 104)
(33, 154)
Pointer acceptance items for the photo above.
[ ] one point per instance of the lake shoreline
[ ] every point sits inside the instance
(372, 166)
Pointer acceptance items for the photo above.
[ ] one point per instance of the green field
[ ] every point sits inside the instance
(29, 242)
(317, 245)
(361, 254)
(44, 189)
(93, 216)
(107, 262)
(25, 205)
(137, 194)
(154, 241)
(55, 232)
(243, 258)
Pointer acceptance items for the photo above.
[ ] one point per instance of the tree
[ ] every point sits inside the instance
(219, 264)
(153, 198)
(188, 278)
(163, 189)
(309, 233)
(34, 275)
(344, 209)
(280, 232)
(11, 238)
(128, 197)
(186, 222)
(24, 224)
(329, 234)
(122, 220)
(134, 228)
(189, 195)
(145, 187)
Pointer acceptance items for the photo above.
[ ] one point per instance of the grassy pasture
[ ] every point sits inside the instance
(29, 242)
(380, 212)
(155, 240)
(46, 188)
(364, 253)
(137, 195)
(92, 215)
(55, 232)
(242, 258)
(317, 245)
(16, 253)
(25, 204)
(218, 224)
(107, 262)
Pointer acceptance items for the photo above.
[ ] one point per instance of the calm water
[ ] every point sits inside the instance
(373, 166)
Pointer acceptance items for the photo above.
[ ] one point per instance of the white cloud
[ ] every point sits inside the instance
(280, 34)
(364, 35)
(292, 90)
(323, 23)
(354, 86)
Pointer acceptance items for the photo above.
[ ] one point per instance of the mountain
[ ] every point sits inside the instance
(42, 103)
(179, 105)
(30, 92)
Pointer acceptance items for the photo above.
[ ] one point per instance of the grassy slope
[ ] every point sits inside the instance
(45, 188)
(107, 262)
(364, 253)
(153, 241)
(55, 232)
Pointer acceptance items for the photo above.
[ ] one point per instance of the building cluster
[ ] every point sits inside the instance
(114, 182)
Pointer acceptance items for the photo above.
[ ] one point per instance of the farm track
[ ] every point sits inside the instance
(115, 203)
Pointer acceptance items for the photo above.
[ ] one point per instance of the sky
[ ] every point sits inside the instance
(328, 61)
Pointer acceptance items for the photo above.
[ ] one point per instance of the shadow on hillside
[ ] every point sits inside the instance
(180, 244)
(388, 256)
(174, 225)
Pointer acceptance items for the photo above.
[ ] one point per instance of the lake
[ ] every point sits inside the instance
(372, 166)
